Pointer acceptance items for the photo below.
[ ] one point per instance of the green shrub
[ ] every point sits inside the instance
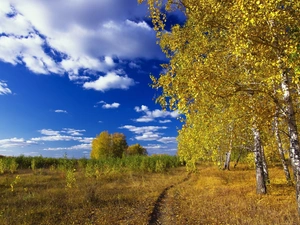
(13, 165)
(2, 166)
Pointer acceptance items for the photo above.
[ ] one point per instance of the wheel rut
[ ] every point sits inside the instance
(161, 213)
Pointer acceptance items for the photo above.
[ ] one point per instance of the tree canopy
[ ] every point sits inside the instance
(107, 145)
(233, 67)
(136, 149)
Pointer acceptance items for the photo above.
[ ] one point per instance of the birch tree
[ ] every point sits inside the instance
(233, 48)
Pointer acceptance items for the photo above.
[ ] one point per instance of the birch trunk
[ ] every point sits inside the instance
(260, 177)
(227, 160)
(293, 131)
(237, 160)
(228, 154)
(265, 165)
(280, 148)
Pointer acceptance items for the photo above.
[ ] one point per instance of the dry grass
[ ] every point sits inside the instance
(228, 197)
(114, 198)
(210, 196)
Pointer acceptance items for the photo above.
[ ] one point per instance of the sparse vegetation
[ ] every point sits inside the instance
(126, 190)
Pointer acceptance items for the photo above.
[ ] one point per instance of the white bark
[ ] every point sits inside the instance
(293, 132)
(280, 148)
(260, 177)
(265, 165)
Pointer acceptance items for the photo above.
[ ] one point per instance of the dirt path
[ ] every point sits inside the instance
(162, 212)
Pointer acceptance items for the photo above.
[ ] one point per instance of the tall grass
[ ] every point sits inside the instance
(156, 163)
(113, 191)
(98, 193)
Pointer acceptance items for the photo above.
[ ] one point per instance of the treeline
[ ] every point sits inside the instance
(138, 163)
(114, 145)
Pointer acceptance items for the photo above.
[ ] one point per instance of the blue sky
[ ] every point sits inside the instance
(74, 68)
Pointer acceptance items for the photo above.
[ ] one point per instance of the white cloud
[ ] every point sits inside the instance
(31, 153)
(144, 119)
(109, 61)
(143, 129)
(4, 90)
(155, 146)
(84, 34)
(87, 140)
(75, 147)
(54, 135)
(133, 65)
(148, 136)
(15, 142)
(167, 140)
(60, 111)
(110, 81)
(49, 132)
(161, 149)
(143, 108)
(72, 66)
(29, 50)
(145, 133)
(73, 132)
(107, 105)
(56, 138)
(111, 106)
(70, 131)
(152, 115)
(164, 121)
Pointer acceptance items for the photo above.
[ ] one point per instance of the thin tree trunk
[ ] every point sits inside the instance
(293, 131)
(260, 177)
(280, 148)
(265, 165)
(238, 159)
(228, 154)
(227, 160)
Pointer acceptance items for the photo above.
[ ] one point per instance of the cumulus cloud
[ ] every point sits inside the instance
(107, 105)
(164, 121)
(155, 146)
(167, 140)
(49, 132)
(143, 108)
(111, 106)
(145, 133)
(74, 147)
(87, 140)
(56, 138)
(81, 35)
(143, 129)
(60, 111)
(134, 65)
(148, 136)
(54, 135)
(16, 142)
(4, 90)
(72, 132)
(161, 149)
(110, 81)
(150, 116)
(86, 144)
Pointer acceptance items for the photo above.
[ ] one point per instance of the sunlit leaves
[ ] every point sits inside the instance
(224, 67)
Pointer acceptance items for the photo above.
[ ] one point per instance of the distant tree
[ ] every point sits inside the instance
(107, 145)
(119, 144)
(136, 149)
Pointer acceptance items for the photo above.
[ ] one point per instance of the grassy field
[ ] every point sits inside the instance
(116, 196)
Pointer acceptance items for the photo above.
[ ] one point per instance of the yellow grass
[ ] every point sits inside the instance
(228, 197)
(210, 196)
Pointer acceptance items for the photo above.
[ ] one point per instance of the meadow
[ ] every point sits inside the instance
(138, 190)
